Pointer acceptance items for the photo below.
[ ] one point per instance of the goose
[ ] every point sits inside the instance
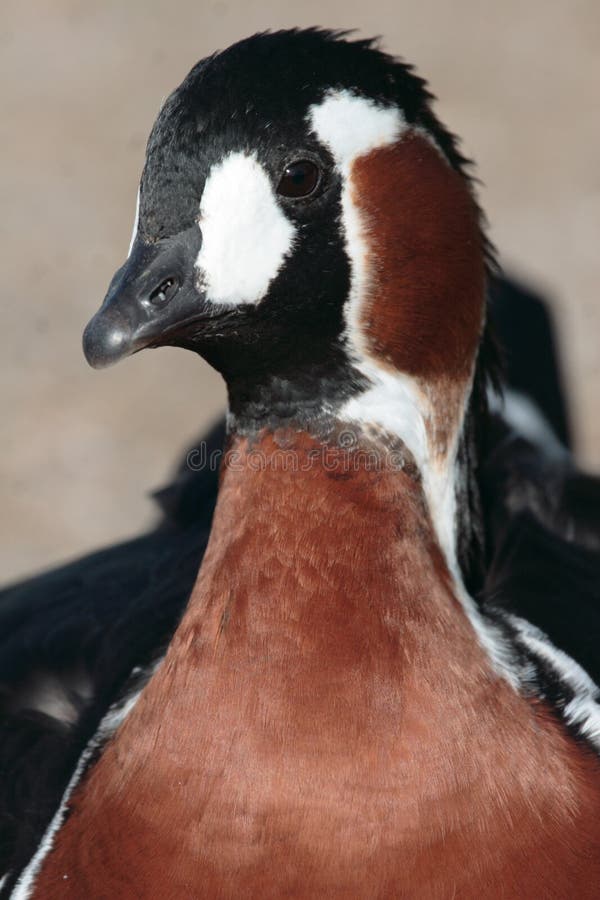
(384, 680)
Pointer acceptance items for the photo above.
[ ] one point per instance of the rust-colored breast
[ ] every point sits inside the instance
(326, 725)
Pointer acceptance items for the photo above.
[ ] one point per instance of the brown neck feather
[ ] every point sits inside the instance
(424, 310)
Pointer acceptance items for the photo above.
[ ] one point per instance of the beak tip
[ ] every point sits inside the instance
(104, 343)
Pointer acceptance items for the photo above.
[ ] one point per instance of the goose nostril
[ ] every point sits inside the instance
(165, 291)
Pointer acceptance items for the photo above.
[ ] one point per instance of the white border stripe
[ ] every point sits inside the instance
(351, 126)
(115, 717)
(583, 711)
(136, 222)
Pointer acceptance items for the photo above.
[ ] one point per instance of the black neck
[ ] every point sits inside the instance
(306, 397)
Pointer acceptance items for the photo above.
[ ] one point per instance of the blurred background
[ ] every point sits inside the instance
(81, 84)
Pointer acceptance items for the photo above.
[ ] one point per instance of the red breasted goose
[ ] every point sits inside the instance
(355, 702)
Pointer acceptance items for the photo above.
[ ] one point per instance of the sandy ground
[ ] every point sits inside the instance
(81, 83)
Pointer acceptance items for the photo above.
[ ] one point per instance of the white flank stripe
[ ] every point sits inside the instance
(521, 413)
(583, 711)
(115, 716)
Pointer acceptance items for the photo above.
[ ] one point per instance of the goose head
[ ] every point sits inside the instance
(305, 223)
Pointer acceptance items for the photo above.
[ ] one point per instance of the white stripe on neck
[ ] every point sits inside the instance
(352, 126)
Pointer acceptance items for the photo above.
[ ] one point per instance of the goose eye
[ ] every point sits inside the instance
(299, 179)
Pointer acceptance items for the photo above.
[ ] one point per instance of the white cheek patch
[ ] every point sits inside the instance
(245, 234)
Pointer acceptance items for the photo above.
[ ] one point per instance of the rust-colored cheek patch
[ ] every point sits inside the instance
(424, 305)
